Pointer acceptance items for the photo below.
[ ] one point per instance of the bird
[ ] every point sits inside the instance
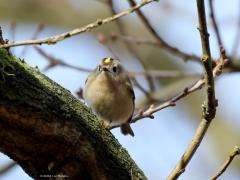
(109, 93)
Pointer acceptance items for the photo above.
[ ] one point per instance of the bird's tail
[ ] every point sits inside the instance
(126, 129)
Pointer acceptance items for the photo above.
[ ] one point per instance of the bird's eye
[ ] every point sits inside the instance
(114, 69)
(99, 68)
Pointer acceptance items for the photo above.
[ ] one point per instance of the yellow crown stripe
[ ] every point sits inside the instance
(107, 60)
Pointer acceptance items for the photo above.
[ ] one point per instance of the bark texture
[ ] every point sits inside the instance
(50, 133)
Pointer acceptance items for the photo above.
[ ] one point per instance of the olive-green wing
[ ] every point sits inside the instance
(132, 94)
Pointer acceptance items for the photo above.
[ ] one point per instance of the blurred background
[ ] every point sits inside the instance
(158, 143)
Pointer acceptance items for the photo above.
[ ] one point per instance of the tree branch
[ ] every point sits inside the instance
(48, 132)
(58, 62)
(209, 106)
(57, 38)
(225, 165)
(7, 167)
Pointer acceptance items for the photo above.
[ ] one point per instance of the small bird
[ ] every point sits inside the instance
(109, 93)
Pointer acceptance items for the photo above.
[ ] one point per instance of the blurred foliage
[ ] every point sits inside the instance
(66, 13)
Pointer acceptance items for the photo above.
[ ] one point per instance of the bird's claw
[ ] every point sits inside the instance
(105, 125)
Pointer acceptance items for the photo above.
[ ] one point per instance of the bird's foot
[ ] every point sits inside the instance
(105, 125)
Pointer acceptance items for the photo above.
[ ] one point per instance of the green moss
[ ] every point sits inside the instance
(5, 65)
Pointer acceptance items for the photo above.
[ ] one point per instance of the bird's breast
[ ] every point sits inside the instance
(109, 100)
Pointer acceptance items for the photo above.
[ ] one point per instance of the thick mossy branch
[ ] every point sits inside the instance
(5, 66)
(47, 131)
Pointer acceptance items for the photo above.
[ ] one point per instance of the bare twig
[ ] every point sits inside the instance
(225, 165)
(57, 38)
(7, 167)
(215, 26)
(58, 62)
(209, 106)
(163, 43)
(220, 63)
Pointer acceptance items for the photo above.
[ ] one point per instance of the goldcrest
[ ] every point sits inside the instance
(109, 93)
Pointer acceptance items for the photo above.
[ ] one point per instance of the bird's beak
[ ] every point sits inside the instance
(105, 69)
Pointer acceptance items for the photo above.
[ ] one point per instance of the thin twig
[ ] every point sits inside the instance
(209, 106)
(214, 22)
(171, 102)
(57, 38)
(220, 63)
(7, 167)
(58, 62)
(163, 43)
(225, 165)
